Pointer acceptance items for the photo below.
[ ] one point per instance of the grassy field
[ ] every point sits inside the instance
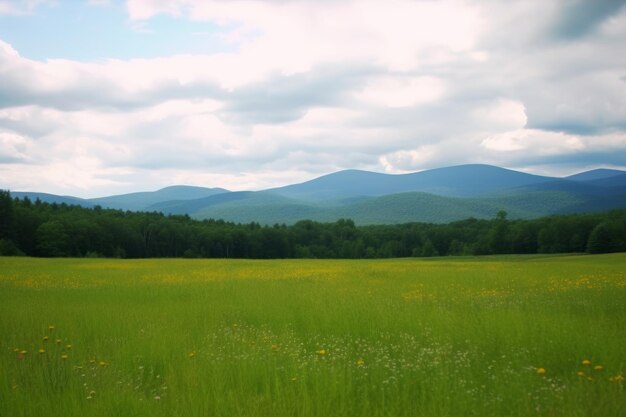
(503, 336)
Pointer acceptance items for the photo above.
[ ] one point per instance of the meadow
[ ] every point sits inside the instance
(491, 336)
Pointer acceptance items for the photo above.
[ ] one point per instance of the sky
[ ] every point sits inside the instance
(108, 97)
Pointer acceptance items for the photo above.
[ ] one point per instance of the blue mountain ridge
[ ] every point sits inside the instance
(143, 200)
(457, 181)
(52, 198)
(437, 195)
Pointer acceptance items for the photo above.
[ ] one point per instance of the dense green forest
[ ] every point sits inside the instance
(53, 230)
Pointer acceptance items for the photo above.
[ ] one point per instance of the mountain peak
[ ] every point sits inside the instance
(434, 195)
(595, 174)
(455, 181)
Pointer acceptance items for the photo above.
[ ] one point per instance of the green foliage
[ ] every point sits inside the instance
(52, 230)
(498, 237)
(268, 208)
(9, 248)
(607, 237)
(52, 240)
(429, 250)
(6, 214)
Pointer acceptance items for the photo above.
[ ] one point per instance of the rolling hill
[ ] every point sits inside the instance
(142, 201)
(595, 174)
(456, 181)
(267, 208)
(53, 198)
(438, 195)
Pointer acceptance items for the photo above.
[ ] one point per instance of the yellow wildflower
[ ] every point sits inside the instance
(360, 362)
(541, 371)
(51, 327)
(68, 347)
(58, 341)
(64, 356)
(598, 368)
(586, 362)
(102, 364)
(321, 352)
(42, 350)
(191, 354)
(45, 338)
(580, 373)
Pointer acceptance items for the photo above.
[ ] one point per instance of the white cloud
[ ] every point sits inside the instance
(7, 50)
(20, 7)
(397, 91)
(13, 147)
(501, 114)
(293, 37)
(537, 141)
(309, 87)
(408, 160)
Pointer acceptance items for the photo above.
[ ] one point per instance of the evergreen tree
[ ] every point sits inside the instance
(601, 239)
(6, 215)
(52, 241)
(428, 249)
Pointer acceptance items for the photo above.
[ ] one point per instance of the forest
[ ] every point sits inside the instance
(35, 228)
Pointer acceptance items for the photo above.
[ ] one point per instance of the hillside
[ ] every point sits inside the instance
(457, 181)
(595, 174)
(144, 200)
(415, 207)
(438, 195)
(613, 181)
(52, 198)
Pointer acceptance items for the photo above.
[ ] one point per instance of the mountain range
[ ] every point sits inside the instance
(437, 195)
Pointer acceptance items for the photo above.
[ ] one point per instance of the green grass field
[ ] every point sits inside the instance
(503, 336)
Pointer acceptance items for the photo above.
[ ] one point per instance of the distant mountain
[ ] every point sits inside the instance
(595, 174)
(437, 195)
(144, 200)
(457, 181)
(586, 188)
(613, 181)
(264, 208)
(222, 199)
(267, 208)
(52, 198)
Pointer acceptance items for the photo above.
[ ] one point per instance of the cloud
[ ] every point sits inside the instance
(13, 148)
(539, 142)
(284, 98)
(501, 114)
(20, 7)
(309, 87)
(71, 85)
(579, 17)
(402, 91)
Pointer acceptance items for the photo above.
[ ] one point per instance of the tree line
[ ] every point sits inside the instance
(58, 230)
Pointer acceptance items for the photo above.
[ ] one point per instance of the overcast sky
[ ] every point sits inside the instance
(107, 97)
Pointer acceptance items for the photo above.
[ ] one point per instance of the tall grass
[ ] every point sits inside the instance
(456, 337)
